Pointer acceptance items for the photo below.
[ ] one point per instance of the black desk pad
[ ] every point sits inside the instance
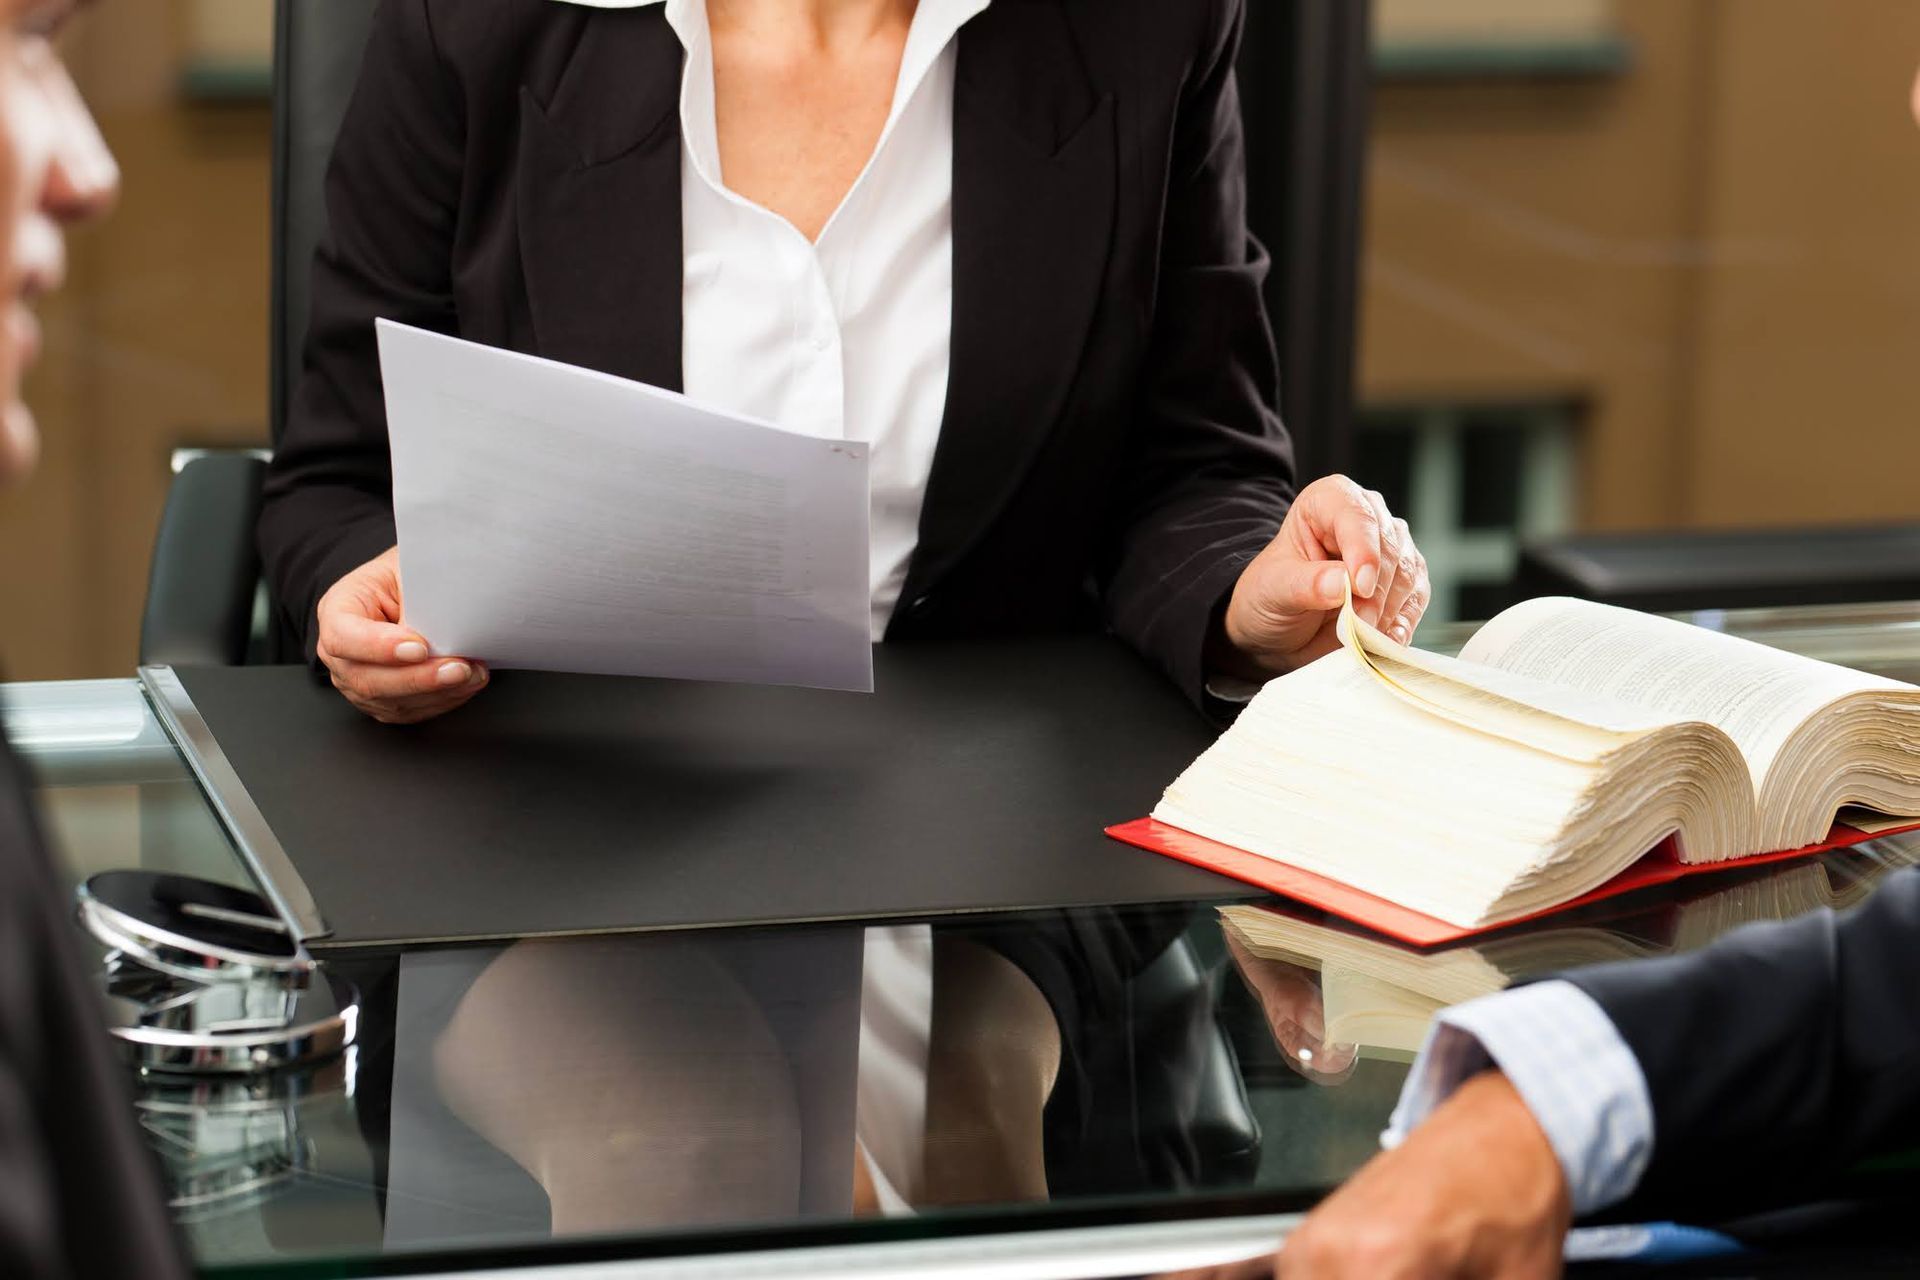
(975, 777)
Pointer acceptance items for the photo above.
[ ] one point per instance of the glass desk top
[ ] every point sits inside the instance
(841, 1085)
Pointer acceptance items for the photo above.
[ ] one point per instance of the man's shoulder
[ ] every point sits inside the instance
(29, 892)
(23, 856)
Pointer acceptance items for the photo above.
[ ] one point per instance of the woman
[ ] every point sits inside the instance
(1003, 241)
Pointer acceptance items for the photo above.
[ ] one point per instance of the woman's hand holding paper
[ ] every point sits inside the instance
(383, 668)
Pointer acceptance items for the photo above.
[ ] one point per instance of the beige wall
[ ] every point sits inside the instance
(1718, 253)
(159, 340)
(230, 31)
(1496, 20)
(1805, 403)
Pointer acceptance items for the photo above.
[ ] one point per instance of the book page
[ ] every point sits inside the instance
(1566, 722)
(1758, 695)
(1876, 823)
(1332, 771)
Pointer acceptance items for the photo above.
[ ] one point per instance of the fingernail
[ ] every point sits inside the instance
(453, 673)
(1400, 632)
(479, 675)
(410, 651)
(1329, 583)
(1364, 580)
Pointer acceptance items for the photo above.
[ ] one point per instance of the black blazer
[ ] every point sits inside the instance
(510, 172)
(1778, 1056)
(80, 1190)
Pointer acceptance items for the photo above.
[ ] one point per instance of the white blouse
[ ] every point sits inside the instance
(847, 337)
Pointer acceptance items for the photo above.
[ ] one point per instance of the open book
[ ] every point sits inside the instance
(1381, 997)
(1568, 740)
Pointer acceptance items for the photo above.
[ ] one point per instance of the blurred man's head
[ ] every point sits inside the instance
(54, 169)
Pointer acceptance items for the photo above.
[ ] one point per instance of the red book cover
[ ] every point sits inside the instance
(1658, 867)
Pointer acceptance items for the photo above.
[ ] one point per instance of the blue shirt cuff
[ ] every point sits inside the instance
(1567, 1061)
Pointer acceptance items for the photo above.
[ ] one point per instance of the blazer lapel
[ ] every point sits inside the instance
(599, 202)
(1033, 208)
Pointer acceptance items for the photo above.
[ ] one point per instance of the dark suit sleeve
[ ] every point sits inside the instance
(392, 192)
(1781, 1054)
(1212, 472)
(79, 1190)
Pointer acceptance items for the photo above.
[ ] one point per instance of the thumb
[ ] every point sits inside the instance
(1282, 604)
(1302, 586)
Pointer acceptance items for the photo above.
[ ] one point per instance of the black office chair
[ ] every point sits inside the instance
(1306, 88)
(205, 575)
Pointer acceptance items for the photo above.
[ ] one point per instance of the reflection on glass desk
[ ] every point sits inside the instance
(706, 1090)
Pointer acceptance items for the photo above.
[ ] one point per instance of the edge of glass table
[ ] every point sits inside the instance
(1041, 1253)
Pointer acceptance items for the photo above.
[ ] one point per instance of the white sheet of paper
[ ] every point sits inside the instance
(562, 519)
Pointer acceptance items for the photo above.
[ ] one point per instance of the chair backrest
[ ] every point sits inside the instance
(316, 59)
(1306, 85)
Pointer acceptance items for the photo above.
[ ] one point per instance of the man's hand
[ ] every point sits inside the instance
(384, 669)
(1290, 998)
(1285, 604)
(1474, 1192)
